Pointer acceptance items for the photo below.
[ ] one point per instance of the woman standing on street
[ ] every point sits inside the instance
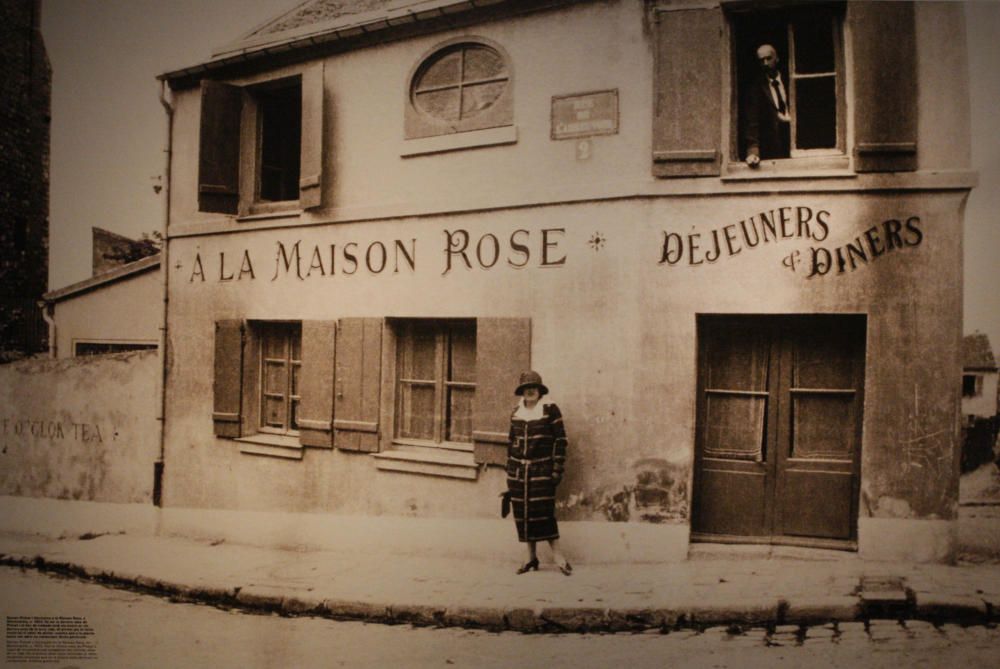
(535, 457)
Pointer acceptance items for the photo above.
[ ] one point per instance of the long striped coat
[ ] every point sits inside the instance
(536, 455)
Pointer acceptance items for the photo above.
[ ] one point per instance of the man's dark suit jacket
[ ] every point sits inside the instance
(761, 127)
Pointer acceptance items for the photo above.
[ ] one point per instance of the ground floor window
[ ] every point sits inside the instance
(280, 366)
(436, 380)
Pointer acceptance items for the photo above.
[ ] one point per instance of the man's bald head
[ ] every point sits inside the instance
(767, 56)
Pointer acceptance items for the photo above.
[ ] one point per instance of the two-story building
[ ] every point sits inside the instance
(382, 211)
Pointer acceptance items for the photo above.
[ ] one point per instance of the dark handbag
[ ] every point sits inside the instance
(504, 504)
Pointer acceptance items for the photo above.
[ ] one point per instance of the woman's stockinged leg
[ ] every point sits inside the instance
(532, 550)
(559, 558)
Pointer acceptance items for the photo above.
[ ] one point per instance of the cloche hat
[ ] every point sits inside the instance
(530, 379)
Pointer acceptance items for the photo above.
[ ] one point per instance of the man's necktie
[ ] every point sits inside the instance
(777, 94)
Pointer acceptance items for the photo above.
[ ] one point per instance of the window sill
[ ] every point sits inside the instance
(827, 167)
(428, 461)
(459, 140)
(269, 210)
(274, 445)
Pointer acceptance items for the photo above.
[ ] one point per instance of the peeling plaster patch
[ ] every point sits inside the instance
(658, 494)
(891, 507)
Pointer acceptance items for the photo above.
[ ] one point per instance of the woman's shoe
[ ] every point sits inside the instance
(532, 565)
(566, 568)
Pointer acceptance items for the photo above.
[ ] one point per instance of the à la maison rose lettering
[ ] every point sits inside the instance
(461, 250)
(782, 223)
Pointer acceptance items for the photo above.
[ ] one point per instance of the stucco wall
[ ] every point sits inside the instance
(613, 332)
(80, 429)
(129, 310)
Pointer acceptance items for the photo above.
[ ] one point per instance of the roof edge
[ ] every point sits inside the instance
(111, 276)
(362, 30)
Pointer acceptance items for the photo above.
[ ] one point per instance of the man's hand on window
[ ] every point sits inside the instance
(752, 159)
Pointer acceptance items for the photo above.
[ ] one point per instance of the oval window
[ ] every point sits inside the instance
(460, 82)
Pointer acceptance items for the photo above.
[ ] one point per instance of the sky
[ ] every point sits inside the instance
(109, 129)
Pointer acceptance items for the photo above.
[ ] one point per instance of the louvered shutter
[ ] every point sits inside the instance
(311, 161)
(219, 147)
(687, 118)
(357, 384)
(227, 384)
(503, 351)
(315, 417)
(885, 85)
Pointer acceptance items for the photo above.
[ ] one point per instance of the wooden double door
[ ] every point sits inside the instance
(778, 438)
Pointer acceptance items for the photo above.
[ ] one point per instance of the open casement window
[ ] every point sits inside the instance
(261, 145)
(811, 94)
(435, 382)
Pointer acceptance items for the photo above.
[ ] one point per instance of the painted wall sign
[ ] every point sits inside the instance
(799, 222)
(460, 250)
(52, 430)
(585, 114)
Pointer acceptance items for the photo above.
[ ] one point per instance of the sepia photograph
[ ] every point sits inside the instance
(494, 333)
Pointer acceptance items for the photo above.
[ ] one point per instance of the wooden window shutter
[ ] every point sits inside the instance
(357, 384)
(228, 378)
(503, 351)
(885, 85)
(687, 117)
(311, 161)
(219, 150)
(315, 417)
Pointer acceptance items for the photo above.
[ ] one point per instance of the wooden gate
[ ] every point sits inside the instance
(778, 437)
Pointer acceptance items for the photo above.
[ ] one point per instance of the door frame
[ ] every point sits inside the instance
(782, 332)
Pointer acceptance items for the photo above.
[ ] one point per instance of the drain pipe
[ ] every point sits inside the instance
(47, 314)
(165, 273)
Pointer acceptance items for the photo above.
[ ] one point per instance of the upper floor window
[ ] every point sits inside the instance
(789, 83)
(261, 144)
(715, 104)
(279, 130)
(462, 86)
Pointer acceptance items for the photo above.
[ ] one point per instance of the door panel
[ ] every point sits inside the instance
(731, 431)
(734, 501)
(817, 503)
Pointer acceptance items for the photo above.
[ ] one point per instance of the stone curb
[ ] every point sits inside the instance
(784, 615)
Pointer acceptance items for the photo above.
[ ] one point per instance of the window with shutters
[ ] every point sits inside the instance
(435, 381)
(796, 108)
(261, 145)
(273, 385)
(695, 95)
(462, 85)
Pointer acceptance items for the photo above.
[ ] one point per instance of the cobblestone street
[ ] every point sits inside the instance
(186, 635)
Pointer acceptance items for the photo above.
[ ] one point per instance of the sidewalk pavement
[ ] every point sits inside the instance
(724, 585)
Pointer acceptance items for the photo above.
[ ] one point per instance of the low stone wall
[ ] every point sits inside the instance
(80, 428)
